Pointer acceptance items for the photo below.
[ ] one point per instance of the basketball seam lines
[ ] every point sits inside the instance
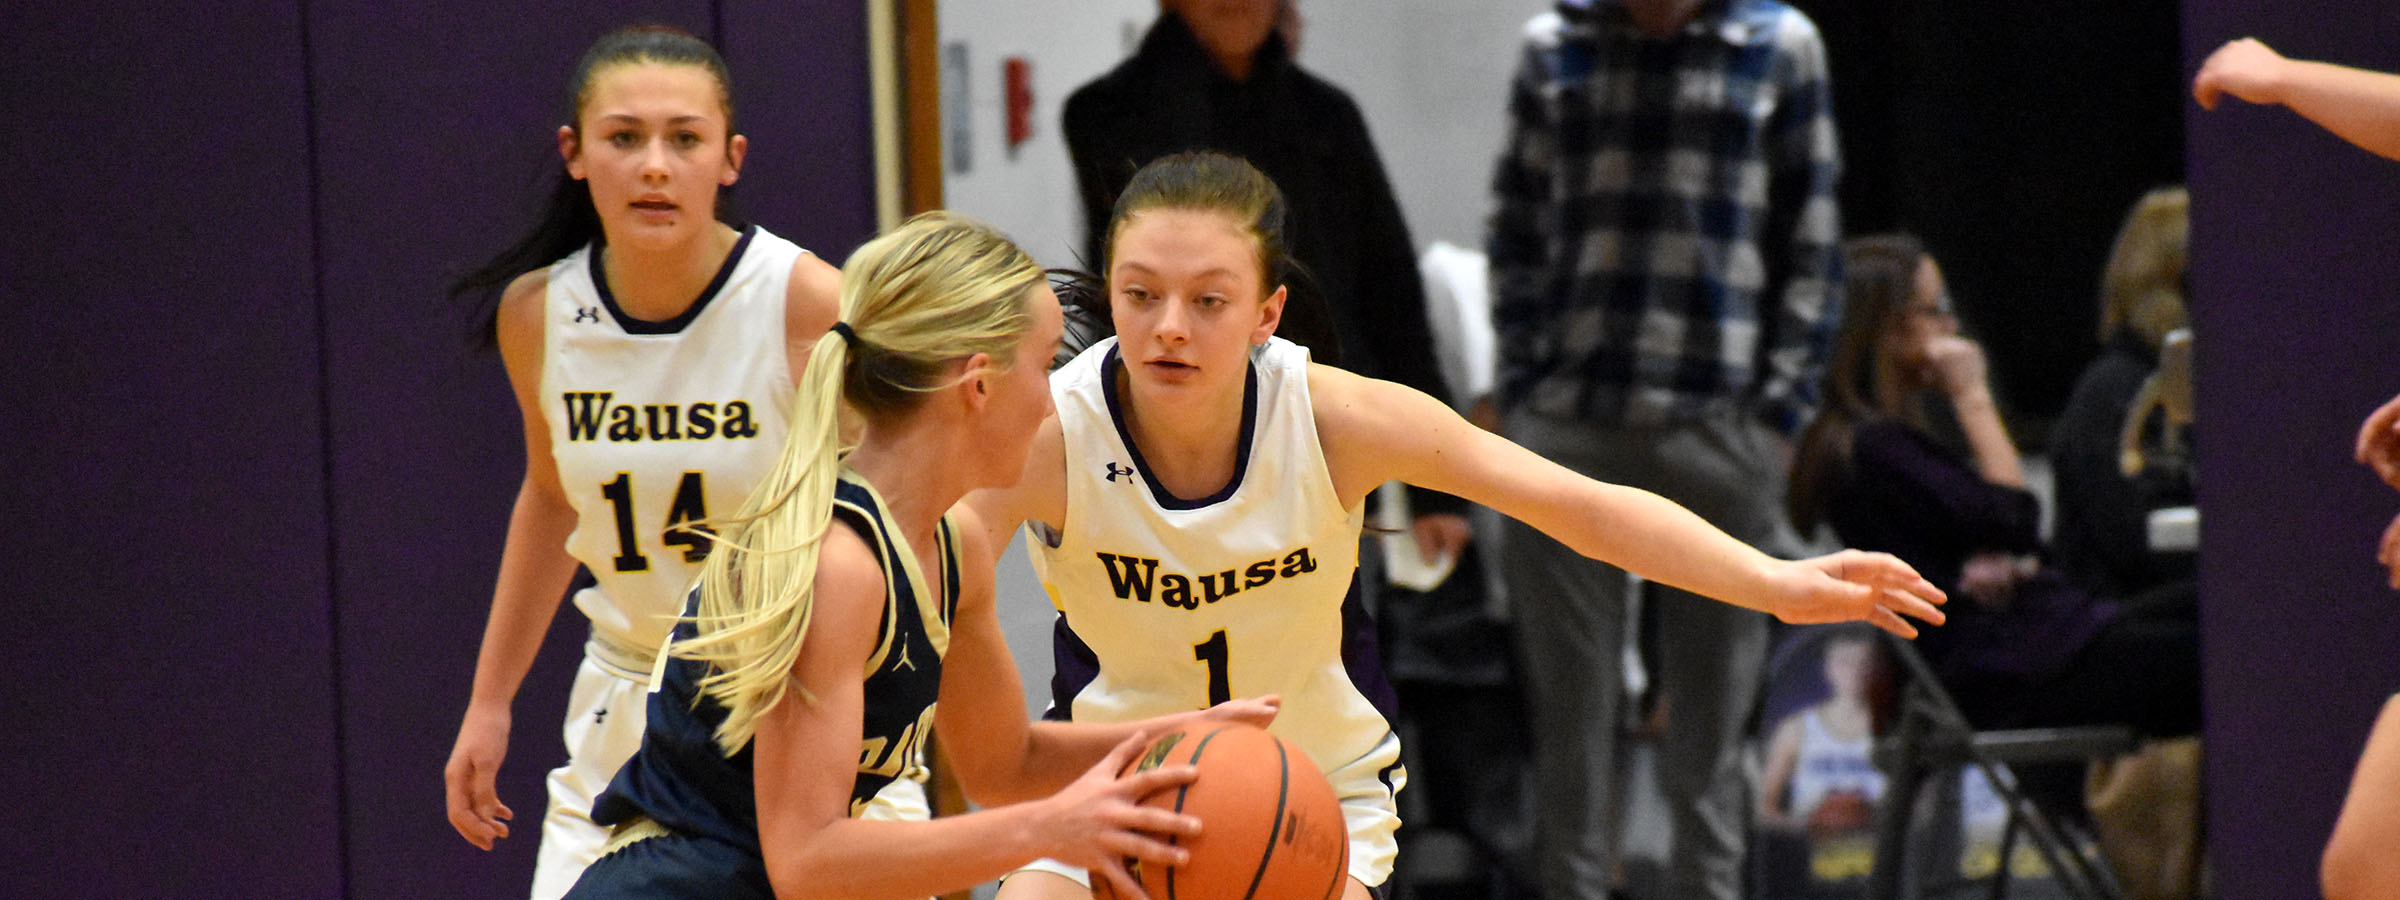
(1180, 793)
(1283, 794)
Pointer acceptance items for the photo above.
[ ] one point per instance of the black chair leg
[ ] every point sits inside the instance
(1930, 738)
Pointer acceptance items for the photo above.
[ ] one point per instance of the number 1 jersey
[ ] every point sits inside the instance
(1170, 604)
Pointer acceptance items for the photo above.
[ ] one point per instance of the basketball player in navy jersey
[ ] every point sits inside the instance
(844, 614)
(1195, 506)
(652, 348)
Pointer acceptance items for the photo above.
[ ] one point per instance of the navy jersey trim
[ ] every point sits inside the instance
(1241, 448)
(1073, 667)
(903, 624)
(857, 508)
(682, 320)
(1362, 656)
(948, 552)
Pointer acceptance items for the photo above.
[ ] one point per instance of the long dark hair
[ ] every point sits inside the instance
(1879, 278)
(1216, 182)
(568, 220)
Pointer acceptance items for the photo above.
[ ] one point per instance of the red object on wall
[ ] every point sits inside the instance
(1017, 74)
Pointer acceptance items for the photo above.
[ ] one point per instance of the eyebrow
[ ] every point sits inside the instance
(629, 117)
(1205, 273)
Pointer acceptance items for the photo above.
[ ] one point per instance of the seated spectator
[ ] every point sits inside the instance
(2101, 533)
(2030, 647)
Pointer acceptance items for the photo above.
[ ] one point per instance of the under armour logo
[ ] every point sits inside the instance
(587, 314)
(1115, 470)
(904, 662)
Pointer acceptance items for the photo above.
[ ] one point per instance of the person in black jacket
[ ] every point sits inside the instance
(2102, 530)
(1218, 75)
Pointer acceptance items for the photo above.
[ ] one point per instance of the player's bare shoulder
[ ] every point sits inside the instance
(812, 301)
(1353, 410)
(520, 327)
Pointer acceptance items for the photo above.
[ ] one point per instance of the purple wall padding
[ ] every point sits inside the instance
(257, 487)
(169, 725)
(801, 69)
(2297, 311)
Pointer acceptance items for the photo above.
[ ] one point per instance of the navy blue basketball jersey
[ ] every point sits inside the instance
(684, 781)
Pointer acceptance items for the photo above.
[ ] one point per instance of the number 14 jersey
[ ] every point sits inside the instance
(653, 424)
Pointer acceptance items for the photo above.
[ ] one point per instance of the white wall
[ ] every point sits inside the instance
(1432, 79)
(1431, 76)
(1031, 194)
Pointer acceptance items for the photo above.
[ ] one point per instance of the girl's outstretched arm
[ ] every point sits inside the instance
(1375, 430)
(2358, 862)
(2357, 105)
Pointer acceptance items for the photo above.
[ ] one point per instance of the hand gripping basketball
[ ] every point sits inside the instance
(1271, 827)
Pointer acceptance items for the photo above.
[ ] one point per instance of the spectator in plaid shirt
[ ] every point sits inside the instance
(1665, 261)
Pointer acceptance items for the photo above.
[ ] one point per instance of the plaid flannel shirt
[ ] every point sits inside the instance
(1666, 238)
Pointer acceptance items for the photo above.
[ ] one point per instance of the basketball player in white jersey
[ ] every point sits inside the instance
(1823, 750)
(1195, 505)
(652, 348)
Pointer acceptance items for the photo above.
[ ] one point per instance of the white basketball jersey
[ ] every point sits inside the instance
(654, 424)
(1827, 764)
(1186, 602)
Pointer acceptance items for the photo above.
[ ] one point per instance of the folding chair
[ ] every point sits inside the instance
(1931, 738)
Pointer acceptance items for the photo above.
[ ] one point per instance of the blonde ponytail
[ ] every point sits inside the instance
(937, 289)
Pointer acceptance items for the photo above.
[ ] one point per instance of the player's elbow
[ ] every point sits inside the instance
(990, 789)
(984, 792)
(987, 782)
(805, 876)
(2355, 868)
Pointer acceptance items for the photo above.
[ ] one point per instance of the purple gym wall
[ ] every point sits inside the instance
(170, 696)
(2297, 313)
(264, 487)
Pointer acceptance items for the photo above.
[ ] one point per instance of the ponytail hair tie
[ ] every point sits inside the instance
(848, 336)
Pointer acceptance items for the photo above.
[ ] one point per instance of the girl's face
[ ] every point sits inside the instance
(1020, 395)
(1184, 289)
(651, 141)
(1235, 27)
(1926, 318)
(1846, 666)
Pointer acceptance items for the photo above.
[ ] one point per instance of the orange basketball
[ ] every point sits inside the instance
(1270, 827)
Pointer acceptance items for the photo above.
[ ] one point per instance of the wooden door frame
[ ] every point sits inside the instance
(904, 63)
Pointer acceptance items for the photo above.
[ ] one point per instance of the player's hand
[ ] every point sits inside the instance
(1441, 536)
(1254, 711)
(2379, 442)
(475, 807)
(2387, 551)
(2244, 68)
(1855, 585)
(1098, 821)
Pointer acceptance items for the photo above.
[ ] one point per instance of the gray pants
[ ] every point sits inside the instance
(1571, 621)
